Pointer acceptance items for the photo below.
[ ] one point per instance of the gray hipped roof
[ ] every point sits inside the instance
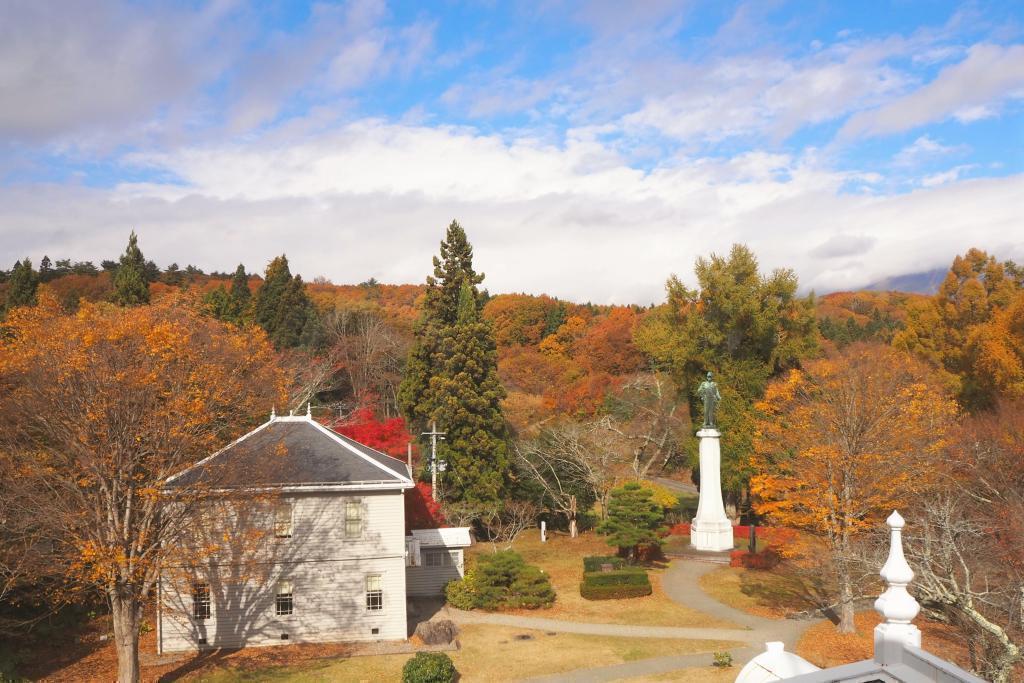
(295, 451)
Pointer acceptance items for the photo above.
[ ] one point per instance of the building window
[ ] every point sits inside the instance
(283, 520)
(374, 592)
(353, 519)
(283, 602)
(201, 601)
(438, 558)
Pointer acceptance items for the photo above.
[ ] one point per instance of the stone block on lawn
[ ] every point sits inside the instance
(440, 632)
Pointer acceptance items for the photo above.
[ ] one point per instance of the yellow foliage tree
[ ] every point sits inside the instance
(842, 442)
(99, 408)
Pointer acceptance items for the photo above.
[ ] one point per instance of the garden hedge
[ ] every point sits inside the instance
(631, 576)
(593, 563)
(591, 592)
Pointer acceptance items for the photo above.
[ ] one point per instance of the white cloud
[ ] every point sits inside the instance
(78, 67)
(925, 149)
(948, 176)
(967, 90)
(372, 199)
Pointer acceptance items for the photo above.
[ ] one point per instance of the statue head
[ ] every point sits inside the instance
(709, 375)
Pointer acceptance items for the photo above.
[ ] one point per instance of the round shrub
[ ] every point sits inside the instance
(429, 667)
(462, 593)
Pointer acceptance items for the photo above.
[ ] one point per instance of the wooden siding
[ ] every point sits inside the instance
(430, 581)
(326, 569)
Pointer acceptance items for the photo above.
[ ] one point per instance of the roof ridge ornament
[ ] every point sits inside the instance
(896, 605)
(273, 413)
(309, 409)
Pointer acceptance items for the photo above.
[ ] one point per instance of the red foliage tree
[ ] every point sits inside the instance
(421, 510)
(387, 436)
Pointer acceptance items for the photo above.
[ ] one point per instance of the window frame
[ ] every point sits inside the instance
(279, 522)
(360, 519)
(374, 596)
(284, 599)
(202, 604)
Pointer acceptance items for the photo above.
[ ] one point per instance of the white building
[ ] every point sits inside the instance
(313, 551)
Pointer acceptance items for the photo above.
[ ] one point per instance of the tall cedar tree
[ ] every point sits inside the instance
(131, 286)
(283, 308)
(451, 376)
(240, 294)
(744, 326)
(634, 519)
(21, 288)
(231, 306)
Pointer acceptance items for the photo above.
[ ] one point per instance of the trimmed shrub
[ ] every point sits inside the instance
(632, 576)
(429, 667)
(591, 592)
(462, 593)
(625, 582)
(530, 590)
(767, 559)
(593, 563)
(499, 580)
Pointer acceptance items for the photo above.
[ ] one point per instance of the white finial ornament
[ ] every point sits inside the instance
(896, 605)
(273, 412)
(309, 409)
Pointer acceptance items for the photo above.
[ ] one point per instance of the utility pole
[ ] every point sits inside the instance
(434, 436)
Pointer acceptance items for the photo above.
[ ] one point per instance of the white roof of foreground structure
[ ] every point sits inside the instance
(774, 664)
(454, 537)
(898, 654)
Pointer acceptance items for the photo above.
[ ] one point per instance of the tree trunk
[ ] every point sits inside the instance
(846, 624)
(126, 613)
(573, 530)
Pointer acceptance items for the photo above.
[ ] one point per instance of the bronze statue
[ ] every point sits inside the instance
(708, 391)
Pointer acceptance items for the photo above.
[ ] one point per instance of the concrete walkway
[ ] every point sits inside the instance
(682, 584)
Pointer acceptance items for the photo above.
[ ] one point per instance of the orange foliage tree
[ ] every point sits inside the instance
(99, 408)
(974, 291)
(843, 441)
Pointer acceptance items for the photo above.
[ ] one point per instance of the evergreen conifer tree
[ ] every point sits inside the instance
(452, 377)
(240, 294)
(45, 269)
(283, 308)
(634, 519)
(21, 288)
(440, 309)
(131, 287)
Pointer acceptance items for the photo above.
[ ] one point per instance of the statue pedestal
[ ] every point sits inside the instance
(711, 529)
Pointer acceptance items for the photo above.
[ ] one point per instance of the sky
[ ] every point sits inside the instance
(588, 149)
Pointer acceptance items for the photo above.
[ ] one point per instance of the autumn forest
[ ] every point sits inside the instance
(835, 410)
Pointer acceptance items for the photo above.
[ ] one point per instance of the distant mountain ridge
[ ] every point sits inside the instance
(924, 282)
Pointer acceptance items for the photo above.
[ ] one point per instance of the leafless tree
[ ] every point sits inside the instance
(574, 462)
(649, 419)
(966, 549)
(503, 523)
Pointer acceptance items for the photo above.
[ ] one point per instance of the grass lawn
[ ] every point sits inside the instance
(562, 559)
(773, 594)
(490, 653)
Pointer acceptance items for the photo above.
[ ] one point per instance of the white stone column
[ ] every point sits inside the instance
(711, 529)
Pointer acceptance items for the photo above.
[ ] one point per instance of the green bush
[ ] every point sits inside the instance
(429, 667)
(502, 579)
(723, 660)
(591, 592)
(462, 593)
(625, 582)
(633, 576)
(593, 563)
(530, 590)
